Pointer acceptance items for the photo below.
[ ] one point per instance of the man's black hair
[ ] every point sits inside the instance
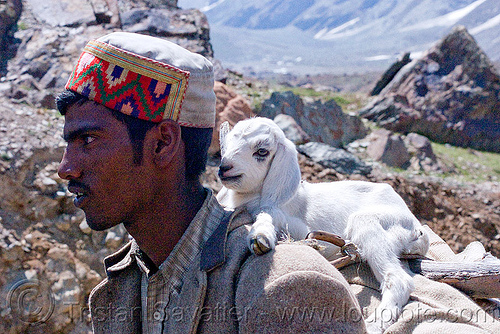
(196, 140)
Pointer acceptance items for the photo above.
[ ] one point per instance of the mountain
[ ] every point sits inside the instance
(339, 36)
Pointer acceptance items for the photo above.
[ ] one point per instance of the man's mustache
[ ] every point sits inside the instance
(77, 184)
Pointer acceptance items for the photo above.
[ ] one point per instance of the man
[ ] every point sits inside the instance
(138, 117)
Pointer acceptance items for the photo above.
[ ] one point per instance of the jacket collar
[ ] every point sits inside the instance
(213, 253)
(121, 259)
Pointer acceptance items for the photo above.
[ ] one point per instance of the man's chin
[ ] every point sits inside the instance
(97, 225)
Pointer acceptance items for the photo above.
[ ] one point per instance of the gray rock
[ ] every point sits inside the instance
(113, 240)
(338, 159)
(84, 227)
(388, 148)
(291, 129)
(419, 145)
(126, 5)
(422, 155)
(102, 12)
(282, 103)
(63, 13)
(323, 122)
(188, 28)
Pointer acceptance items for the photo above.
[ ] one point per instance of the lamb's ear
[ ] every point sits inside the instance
(283, 177)
(223, 131)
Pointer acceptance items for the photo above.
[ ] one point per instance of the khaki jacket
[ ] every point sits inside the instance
(228, 290)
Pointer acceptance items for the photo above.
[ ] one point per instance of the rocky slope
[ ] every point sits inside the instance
(51, 34)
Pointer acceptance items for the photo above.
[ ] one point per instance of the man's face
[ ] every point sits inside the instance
(98, 162)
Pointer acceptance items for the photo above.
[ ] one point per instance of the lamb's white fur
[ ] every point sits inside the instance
(259, 170)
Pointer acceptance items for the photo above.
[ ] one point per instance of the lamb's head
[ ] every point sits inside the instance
(258, 158)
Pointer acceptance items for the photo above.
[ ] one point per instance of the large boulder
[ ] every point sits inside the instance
(338, 159)
(71, 13)
(188, 28)
(291, 129)
(450, 95)
(63, 12)
(324, 122)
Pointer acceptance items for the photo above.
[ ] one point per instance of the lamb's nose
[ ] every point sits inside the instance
(223, 169)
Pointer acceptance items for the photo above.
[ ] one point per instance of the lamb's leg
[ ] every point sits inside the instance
(396, 288)
(268, 223)
(380, 249)
(262, 236)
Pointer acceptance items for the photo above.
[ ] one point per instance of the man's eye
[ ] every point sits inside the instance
(88, 139)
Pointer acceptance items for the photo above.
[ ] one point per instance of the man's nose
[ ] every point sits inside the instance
(68, 168)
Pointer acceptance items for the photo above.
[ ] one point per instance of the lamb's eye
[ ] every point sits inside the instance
(261, 153)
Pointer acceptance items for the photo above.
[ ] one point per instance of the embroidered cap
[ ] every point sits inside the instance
(148, 78)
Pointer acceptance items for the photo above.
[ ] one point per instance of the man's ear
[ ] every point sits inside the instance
(168, 141)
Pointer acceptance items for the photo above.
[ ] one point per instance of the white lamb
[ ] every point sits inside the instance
(260, 171)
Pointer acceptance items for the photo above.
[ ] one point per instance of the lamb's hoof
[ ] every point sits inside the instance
(373, 328)
(260, 245)
(375, 324)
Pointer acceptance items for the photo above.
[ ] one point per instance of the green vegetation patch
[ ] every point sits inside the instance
(348, 101)
(473, 165)
(22, 25)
